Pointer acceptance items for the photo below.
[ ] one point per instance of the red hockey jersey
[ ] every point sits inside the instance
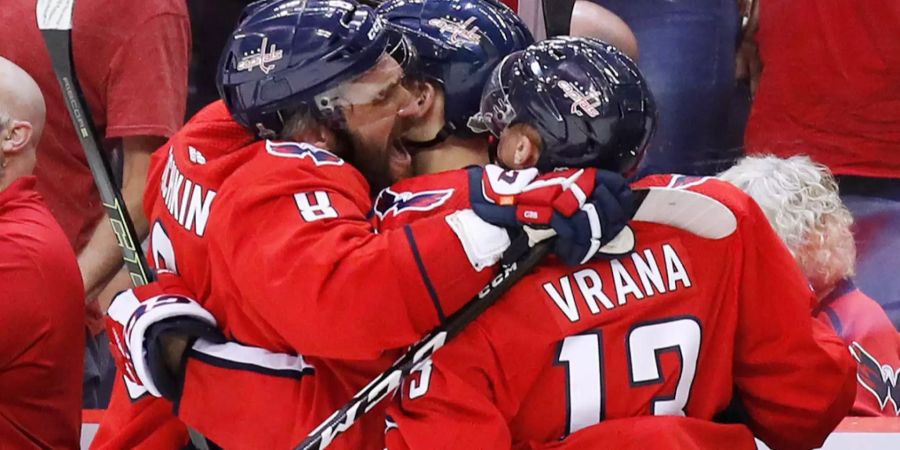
(274, 238)
(676, 328)
(873, 342)
(652, 432)
(275, 407)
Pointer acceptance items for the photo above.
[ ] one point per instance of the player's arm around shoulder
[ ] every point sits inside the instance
(293, 234)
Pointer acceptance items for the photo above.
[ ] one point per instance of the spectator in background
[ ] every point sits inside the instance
(800, 199)
(829, 87)
(41, 307)
(213, 20)
(592, 20)
(688, 50)
(131, 60)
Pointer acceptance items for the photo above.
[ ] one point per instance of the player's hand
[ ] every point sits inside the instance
(134, 321)
(585, 208)
(598, 224)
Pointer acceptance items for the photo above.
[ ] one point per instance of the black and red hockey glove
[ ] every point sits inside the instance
(585, 208)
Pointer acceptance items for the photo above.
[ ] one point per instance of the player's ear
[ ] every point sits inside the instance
(519, 147)
(16, 137)
(423, 97)
(317, 135)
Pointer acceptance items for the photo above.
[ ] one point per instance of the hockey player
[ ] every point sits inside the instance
(396, 212)
(272, 235)
(672, 329)
(800, 199)
(455, 59)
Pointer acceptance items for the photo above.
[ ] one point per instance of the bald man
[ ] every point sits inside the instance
(592, 20)
(576, 18)
(22, 115)
(41, 293)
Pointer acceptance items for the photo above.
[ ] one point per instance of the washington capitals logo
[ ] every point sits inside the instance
(581, 103)
(389, 201)
(879, 379)
(459, 34)
(260, 59)
(298, 150)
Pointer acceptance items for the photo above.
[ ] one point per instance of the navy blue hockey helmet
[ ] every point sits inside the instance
(286, 52)
(458, 43)
(587, 100)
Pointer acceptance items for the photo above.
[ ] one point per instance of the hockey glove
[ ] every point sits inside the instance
(585, 208)
(135, 320)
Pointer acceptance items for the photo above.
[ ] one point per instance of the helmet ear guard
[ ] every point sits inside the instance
(496, 113)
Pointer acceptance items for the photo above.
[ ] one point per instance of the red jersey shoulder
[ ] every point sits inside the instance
(210, 138)
(292, 164)
(423, 196)
(186, 173)
(318, 184)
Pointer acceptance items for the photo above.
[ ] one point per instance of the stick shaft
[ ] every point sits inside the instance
(55, 20)
(59, 45)
(389, 381)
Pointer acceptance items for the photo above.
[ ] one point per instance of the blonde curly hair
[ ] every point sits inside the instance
(800, 199)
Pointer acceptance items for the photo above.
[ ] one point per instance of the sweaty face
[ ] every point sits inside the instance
(376, 115)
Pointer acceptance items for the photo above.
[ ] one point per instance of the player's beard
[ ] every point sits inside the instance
(373, 164)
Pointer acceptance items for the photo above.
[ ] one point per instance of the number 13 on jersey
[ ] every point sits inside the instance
(583, 356)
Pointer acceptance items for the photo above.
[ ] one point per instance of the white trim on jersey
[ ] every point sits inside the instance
(234, 354)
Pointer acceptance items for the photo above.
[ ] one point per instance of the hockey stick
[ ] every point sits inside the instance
(679, 208)
(54, 19)
(558, 16)
(420, 353)
(389, 381)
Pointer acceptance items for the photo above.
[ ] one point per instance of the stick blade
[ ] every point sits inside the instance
(688, 210)
(54, 14)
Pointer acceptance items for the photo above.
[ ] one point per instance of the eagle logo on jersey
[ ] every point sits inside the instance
(299, 150)
(686, 181)
(879, 379)
(389, 201)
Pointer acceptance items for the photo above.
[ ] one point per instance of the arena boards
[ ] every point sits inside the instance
(854, 433)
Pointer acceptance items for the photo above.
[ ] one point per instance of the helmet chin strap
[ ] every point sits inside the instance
(441, 136)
